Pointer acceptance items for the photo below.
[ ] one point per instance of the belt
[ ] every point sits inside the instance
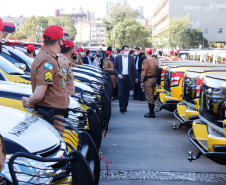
(125, 75)
(150, 76)
(112, 73)
(57, 111)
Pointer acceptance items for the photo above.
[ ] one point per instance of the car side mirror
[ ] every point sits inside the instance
(20, 66)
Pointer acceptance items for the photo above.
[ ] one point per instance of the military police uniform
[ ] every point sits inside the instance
(2, 153)
(108, 67)
(65, 69)
(45, 70)
(151, 66)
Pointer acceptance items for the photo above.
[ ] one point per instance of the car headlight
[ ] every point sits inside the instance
(28, 171)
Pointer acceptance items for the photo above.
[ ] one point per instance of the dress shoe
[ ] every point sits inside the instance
(142, 99)
(137, 98)
(122, 110)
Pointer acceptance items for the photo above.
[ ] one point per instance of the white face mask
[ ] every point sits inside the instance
(82, 53)
(135, 53)
(126, 53)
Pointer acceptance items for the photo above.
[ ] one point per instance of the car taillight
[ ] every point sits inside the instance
(175, 79)
(162, 75)
(198, 87)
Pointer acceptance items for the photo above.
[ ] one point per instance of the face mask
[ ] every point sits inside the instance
(126, 53)
(135, 53)
(82, 53)
(0, 47)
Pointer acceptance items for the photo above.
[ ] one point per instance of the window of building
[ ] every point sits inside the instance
(220, 30)
(205, 31)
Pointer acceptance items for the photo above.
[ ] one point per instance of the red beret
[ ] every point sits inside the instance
(171, 52)
(86, 49)
(30, 48)
(148, 50)
(53, 32)
(108, 52)
(80, 49)
(177, 51)
(7, 26)
(68, 43)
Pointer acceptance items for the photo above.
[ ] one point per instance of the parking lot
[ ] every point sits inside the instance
(149, 151)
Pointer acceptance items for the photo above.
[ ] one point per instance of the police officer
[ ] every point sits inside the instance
(80, 55)
(64, 61)
(31, 51)
(49, 96)
(148, 80)
(10, 28)
(108, 67)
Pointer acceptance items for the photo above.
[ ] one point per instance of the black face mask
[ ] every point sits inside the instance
(0, 47)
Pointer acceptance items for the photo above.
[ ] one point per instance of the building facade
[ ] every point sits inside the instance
(206, 15)
(17, 21)
(77, 16)
(90, 32)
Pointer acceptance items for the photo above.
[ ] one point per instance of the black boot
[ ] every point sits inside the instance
(151, 113)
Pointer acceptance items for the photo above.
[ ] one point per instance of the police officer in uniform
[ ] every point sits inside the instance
(50, 97)
(148, 80)
(31, 51)
(79, 56)
(10, 28)
(108, 67)
(64, 61)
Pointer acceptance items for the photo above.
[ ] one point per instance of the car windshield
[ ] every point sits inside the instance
(8, 67)
(21, 55)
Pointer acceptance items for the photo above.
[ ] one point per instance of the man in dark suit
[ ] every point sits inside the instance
(87, 59)
(123, 67)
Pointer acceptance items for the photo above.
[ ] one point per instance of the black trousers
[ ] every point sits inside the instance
(123, 92)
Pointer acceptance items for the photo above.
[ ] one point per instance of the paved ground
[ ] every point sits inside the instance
(148, 151)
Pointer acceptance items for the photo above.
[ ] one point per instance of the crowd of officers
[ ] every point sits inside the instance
(52, 78)
(53, 81)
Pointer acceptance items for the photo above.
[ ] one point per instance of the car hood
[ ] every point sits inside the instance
(28, 131)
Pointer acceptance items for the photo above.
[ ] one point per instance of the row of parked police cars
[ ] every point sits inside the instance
(195, 91)
(36, 153)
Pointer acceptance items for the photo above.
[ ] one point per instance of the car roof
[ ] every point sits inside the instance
(202, 70)
(220, 76)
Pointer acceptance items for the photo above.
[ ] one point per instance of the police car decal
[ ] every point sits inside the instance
(23, 125)
(48, 66)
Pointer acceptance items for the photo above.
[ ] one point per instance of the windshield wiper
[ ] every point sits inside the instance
(15, 73)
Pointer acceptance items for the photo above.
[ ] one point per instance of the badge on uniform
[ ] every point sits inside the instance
(143, 63)
(64, 70)
(48, 66)
(105, 62)
(65, 78)
(48, 77)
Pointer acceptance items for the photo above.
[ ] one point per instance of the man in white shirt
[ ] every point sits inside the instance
(123, 67)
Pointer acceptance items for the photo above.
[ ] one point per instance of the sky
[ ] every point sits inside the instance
(29, 8)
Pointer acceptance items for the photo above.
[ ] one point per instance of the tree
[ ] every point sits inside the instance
(195, 38)
(66, 23)
(131, 33)
(34, 28)
(177, 30)
(117, 15)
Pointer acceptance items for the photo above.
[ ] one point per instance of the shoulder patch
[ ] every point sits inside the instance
(64, 70)
(48, 77)
(48, 66)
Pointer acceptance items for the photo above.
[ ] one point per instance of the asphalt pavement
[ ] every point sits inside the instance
(148, 151)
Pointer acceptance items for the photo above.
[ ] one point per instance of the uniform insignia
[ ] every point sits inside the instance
(62, 82)
(48, 66)
(48, 77)
(105, 62)
(64, 70)
(143, 63)
(65, 78)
